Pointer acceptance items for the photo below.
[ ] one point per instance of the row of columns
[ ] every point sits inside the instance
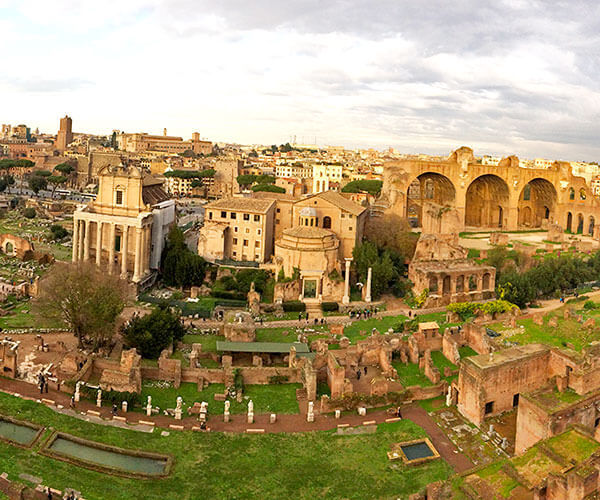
(479, 278)
(82, 231)
(346, 297)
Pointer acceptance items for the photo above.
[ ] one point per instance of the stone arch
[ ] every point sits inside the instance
(446, 285)
(571, 194)
(579, 223)
(486, 202)
(430, 187)
(582, 194)
(591, 224)
(486, 281)
(9, 248)
(537, 203)
(472, 283)
(569, 222)
(433, 284)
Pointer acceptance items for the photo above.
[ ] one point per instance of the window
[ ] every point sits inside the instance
(515, 400)
(118, 243)
(349, 229)
(247, 230)
(257, 218)
(258, 231)
(233, 215)
(246, 216)
(119, 197)
(245, 243)
(278, 210)
(256, 256)
(489, 407)
(235, 229)
(223, 214)
(277, 221)
(257, 244)
(327, 222)
(343, 216)
(210, 215)
(234, 254)
(235, 241)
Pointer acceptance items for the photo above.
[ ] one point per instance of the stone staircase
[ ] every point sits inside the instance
(314, 310)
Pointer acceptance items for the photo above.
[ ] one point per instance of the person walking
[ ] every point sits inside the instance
(358, 375)
(365, 370)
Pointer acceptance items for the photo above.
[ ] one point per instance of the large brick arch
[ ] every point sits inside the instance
(428, 187)
(549, 202)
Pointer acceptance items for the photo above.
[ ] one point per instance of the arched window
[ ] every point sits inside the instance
(571, 194)
(472, 283)
(527, 193)
(486, 281)
(582, 194)
(327, 222)
(460, 284)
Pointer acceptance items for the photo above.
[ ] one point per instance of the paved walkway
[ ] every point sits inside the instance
(444, 446)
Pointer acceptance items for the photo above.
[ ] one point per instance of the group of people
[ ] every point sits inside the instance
(42, 383)
(359, 373)
(363, 313)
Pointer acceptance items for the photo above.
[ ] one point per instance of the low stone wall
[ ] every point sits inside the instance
(210, 375)
(261, 374)
(416, 392)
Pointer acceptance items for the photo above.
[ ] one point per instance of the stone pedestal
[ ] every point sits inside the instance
(338, 414)
(124, 406)
(362, 411)
(273, 418)
(250, 418)
(226, 417)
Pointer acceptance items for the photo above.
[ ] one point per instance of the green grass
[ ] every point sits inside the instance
(466, 351)
(410, 374)
(266, 398)
(22, 317)
(276, 334)
(209, 342)
(353, 332)
(440, 361)
(433, 404)
(219, 465)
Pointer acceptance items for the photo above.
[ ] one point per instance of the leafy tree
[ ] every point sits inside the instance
(65, 169)
(154, 332)
(392, 232)
(269, 188)
(246, 179)
(87, 299)
(242, 280)
(386, 266)
(57, 232)
(372, 187)
(37, 183)
(29, 213)
(180, 266)
(191, 174)
(55, 181)
(42, 173)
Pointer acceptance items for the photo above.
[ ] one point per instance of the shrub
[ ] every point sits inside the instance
(589, 305)
(294, 305)
(467, 309)
(29, 213)
(329, 306)
(58, 232)
(224, 294)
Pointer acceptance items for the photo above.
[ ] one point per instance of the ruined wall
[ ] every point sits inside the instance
(450, 348)
(476, 338)
(336, 375)
(532, 425)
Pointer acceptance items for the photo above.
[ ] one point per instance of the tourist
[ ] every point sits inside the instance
(114, 409)
(49, 493)
(365, 370)
(358, 375)
(398, 412)
(72, 403)
(203, 425)
(299, 316)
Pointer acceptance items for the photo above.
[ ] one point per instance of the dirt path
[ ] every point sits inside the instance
(444, 446)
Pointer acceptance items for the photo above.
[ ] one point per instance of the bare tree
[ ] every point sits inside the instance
(85, 298)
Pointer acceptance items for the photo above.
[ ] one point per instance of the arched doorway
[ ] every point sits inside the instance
(446, 287)
(486, 201)
(486, 281)
(580, 224)
(537, 203)
(591, 225)
(428, 187)
(433, 284)
(327, 222)
(569, 222)
(460, 284)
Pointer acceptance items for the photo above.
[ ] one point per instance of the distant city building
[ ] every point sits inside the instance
(138, 143)
(65, 133)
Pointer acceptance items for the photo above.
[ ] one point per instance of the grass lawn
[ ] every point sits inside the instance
(279, 398)
(566, 331)
(353, 332)
(22, 317)
(466, 351)
(410, 374)
(276, 334)
(209, 342)
(440, 361)
(218, 465)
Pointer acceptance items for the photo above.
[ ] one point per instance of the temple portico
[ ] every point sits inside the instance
(124, 229)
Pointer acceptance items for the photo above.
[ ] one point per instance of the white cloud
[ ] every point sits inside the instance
(508, 77)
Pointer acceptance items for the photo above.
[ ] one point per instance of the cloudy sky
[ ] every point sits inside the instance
(504, 76)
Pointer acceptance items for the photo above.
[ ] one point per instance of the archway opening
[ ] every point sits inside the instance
(537, 203)
(433, 284)
(580, 224)
(9, 248)
(591, 225)
(446, 285)
(486, 202)
(428, 187)
(460, 284)
(327, 222)
(569, 222)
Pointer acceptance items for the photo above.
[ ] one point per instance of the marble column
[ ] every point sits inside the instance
(111, 248)
(138, 251)
(75, 240)
(86, 241)
(146, 250)
(368, 294)
(98, 243)
(124, 251)
(346, 297)
(80, 242)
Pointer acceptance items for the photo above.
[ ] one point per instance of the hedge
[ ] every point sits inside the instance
(294, 305)
(329, 306)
